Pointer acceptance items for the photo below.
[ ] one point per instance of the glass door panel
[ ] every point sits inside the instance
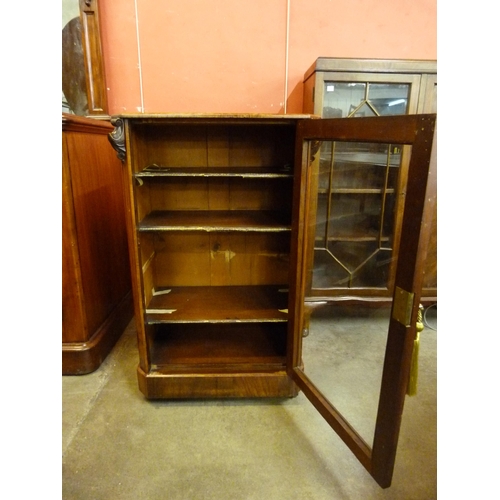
(343, 354)
(356, 99)
(357, 186)
(351, 355)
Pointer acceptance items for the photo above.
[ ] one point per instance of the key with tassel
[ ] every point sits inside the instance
(412, 381)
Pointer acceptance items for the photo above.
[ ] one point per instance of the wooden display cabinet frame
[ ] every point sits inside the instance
(421, 78)
(210, 224)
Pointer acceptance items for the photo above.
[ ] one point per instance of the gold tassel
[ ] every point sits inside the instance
(412, 381)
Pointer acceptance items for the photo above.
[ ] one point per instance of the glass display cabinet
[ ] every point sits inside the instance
(225, 213)
(361, 186)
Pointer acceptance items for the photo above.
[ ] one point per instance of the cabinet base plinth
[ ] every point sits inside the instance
(155, 385)
(81, 358)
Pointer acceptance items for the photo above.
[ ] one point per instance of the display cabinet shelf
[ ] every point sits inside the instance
(355, 191)
(363, 159)
(215, 221)
(354, 236)
(222, 304)
(242, 172)
(219, 348)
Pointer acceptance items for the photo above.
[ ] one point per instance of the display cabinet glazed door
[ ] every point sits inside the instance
(359, 376)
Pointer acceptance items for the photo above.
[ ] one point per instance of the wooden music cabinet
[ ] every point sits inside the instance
(221, 216)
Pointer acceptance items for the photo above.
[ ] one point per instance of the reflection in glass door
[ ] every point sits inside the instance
(357, 186)
(343, 354)
(355, 99)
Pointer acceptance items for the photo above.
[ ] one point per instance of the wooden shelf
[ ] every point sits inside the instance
(216, 220)
(364, 158)
(356, 191)
(226, 346)
(354, 237)
(222, 304)
(244, 172)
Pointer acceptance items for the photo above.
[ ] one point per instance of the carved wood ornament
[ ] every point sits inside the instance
(117, 138)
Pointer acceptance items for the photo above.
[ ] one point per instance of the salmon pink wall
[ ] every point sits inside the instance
(245, 56)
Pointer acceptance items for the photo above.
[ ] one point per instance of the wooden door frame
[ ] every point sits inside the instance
(419, 132)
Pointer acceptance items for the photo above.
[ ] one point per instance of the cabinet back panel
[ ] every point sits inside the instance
(187, 193)
(261, 146)
(218, 145)
(219, 344)
(182, 146)
(219, 259)
(185, 145)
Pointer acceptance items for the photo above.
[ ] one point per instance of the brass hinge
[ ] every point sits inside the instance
(402, 306)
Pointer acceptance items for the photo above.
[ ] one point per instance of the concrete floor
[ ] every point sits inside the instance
(118, 445)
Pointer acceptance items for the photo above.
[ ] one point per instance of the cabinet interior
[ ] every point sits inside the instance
(213, 210)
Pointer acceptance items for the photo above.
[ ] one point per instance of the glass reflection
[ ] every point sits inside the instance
(341, 100)
(354, 189)
(343, 355)
(357, 185)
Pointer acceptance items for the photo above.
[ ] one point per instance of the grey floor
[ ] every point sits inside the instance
(118, 446)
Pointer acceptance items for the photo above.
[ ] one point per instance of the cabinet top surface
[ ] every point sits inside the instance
(372, 65)
(210, 116)
(82, 123)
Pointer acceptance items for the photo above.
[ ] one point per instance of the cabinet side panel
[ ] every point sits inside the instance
(430, 273)
(100, 224)
(148, 280)
(308, 98)
(427, 101)
(138, 253)
(74, 328)
(142, 200)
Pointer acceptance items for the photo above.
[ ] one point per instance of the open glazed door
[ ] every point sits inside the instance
(364, 201)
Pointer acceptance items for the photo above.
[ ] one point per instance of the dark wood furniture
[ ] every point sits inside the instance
(96, 288)
(350, 200)
(94, 62)
(221, 229)
(84, 76)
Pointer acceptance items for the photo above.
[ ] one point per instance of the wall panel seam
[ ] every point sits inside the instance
(139, 63)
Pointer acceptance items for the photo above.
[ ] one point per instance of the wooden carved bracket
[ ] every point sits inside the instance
(314, 149)
(117, 138)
